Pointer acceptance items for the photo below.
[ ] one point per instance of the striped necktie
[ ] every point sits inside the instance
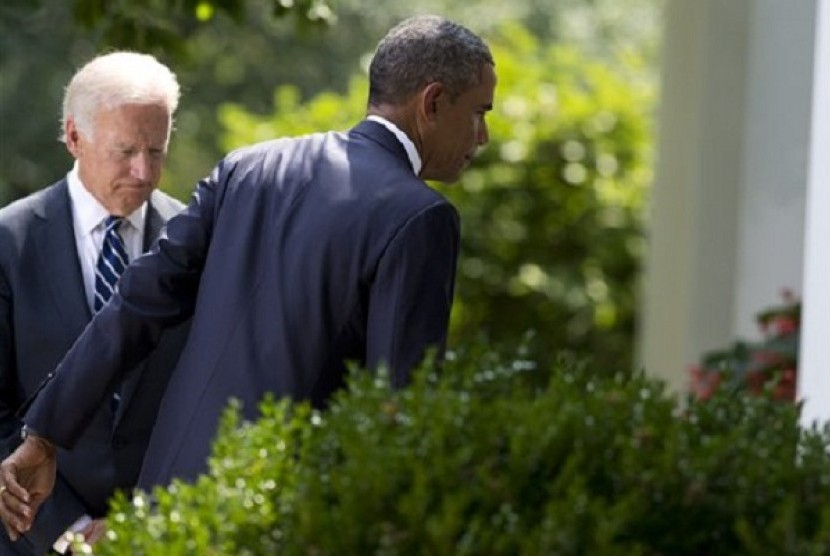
(111, 263)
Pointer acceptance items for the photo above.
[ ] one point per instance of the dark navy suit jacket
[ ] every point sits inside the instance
(43, 309)
(294, 257)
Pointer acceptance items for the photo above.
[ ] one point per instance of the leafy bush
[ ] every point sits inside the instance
(769, 364)
(494, 456)
(551, 210)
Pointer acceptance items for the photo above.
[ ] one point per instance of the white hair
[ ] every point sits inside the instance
(115, 79)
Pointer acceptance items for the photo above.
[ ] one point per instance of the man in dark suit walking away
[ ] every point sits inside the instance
(294, 256)
(61, 251)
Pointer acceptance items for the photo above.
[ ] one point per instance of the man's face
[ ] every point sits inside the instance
(459, 129)
(121, 163)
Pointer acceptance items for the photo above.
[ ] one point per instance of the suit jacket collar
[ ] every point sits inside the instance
(409, 146)
(377, 133)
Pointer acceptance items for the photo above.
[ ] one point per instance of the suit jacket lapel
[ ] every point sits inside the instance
(57, 251)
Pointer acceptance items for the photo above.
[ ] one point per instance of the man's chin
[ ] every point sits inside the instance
(131, 199)
(446, 178)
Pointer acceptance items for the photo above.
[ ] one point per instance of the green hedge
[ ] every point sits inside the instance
(494, 456)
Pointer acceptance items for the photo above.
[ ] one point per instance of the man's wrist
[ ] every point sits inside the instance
(27, 433)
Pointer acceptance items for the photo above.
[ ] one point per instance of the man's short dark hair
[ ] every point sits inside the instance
(421, 50)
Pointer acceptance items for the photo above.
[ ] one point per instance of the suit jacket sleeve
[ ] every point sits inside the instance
(411, 295)
(9, 424)
(157, 291)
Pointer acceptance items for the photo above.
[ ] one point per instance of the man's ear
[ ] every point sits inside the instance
(430, 98)
(72, 137)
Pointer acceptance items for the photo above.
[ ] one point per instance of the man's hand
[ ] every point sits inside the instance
(27, 478)
(94, 531)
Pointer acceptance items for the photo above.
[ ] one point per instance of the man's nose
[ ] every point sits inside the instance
(141, 167)
(483, 134)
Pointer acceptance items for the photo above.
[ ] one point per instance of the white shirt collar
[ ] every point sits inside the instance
(89, 213)
(408, 145)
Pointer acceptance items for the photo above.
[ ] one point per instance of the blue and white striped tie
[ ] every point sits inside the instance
(111, 263)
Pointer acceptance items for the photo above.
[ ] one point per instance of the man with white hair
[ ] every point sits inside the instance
(62, 250)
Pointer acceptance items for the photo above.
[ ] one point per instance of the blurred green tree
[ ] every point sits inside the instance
(165, 25)
(237, 49)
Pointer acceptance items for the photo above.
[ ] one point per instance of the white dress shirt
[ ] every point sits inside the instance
(88, 217)
(408, 145)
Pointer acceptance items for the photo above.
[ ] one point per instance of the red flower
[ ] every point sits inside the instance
(785, 389)
(765, 358)
(755, 381)
(704, 382)
(785, 325)
(769, 365)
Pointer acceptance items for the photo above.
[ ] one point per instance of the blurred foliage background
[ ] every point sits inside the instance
(552, 210)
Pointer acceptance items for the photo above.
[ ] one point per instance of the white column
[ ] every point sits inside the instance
(814, 358)
(728, 208)
(690, 270)
(772, 190)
